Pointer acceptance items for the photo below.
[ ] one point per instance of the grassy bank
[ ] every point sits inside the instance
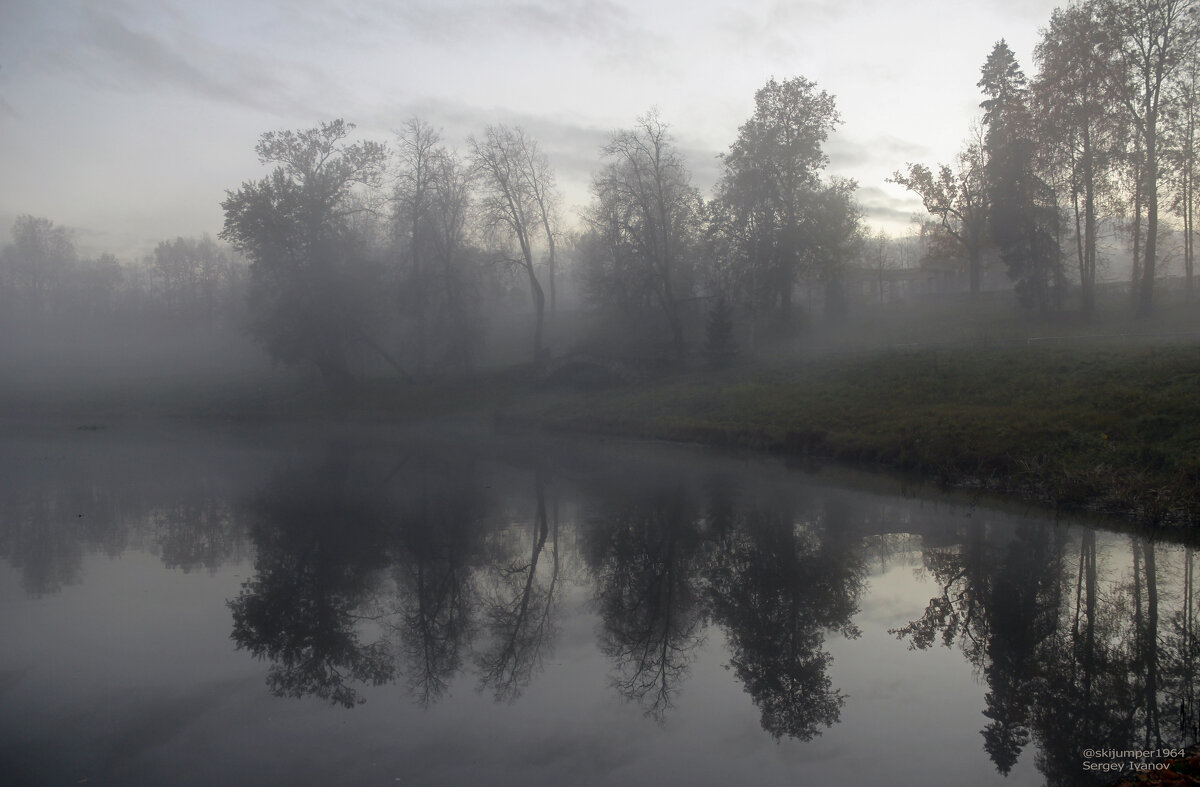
(1115, 430)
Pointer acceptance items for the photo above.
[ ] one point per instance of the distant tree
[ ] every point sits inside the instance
(646, 211)
(720, 346)
(193, 275)
(101, 280)
(1024, 217)
(958, 199)
(771, 179)
(309, 285)
(879, 258)
(833, 239)
(36, 262)
(516, 199)
(437, 272)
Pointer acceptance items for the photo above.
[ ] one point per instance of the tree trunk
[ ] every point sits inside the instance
(1146, 296)
(539, 314)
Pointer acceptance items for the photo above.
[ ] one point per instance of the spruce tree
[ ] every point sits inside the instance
(1024, 213)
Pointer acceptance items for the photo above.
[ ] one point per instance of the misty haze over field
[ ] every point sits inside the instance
(426, 187)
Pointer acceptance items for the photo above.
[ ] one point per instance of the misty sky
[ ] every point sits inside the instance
(126, 120)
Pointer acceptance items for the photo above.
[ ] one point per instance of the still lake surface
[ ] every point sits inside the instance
(263, 607)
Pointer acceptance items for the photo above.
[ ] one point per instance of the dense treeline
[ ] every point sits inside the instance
(357, 251)
(44, 282)
(1103, 135)
(351, 256)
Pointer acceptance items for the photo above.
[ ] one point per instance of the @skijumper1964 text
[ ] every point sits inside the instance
(1127, 760)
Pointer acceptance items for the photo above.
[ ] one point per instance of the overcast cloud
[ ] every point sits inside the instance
(128, 119)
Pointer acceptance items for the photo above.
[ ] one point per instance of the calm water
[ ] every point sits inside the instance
(185, 608)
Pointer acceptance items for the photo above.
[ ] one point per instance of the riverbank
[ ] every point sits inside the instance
(1078, 428)
(1108, 430)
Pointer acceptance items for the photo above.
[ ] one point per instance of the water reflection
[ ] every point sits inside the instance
(435, 572)
(517, 607)
(646, 552)
(436, 548)
(63, 500)
(779, 582)
(428, 567)
(317, 565)
(1077, 641)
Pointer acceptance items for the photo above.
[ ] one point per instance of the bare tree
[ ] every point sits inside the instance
(414, 194)
(647, 207)
(517, 195)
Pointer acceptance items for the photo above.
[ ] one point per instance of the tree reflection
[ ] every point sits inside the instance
(1087, 694)
(436, 594)
(518, 607)
(646, 557)
(1000, 600)
(1022, 610)
(778, 583)
(1072, 660)
(202, 532)
(317, 559)
(105, 494)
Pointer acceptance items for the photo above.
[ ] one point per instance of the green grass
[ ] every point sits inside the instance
(1111, 430)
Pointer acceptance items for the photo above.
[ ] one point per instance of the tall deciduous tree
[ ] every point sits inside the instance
(1185, 130)
(432, 198)
(516, 202)
(1076, 124)
(413, 203)
(647, 209)
(308, 284)
(1148, 40)
(772, 172)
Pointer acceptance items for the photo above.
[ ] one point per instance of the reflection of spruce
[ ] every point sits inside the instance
(720, 349)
